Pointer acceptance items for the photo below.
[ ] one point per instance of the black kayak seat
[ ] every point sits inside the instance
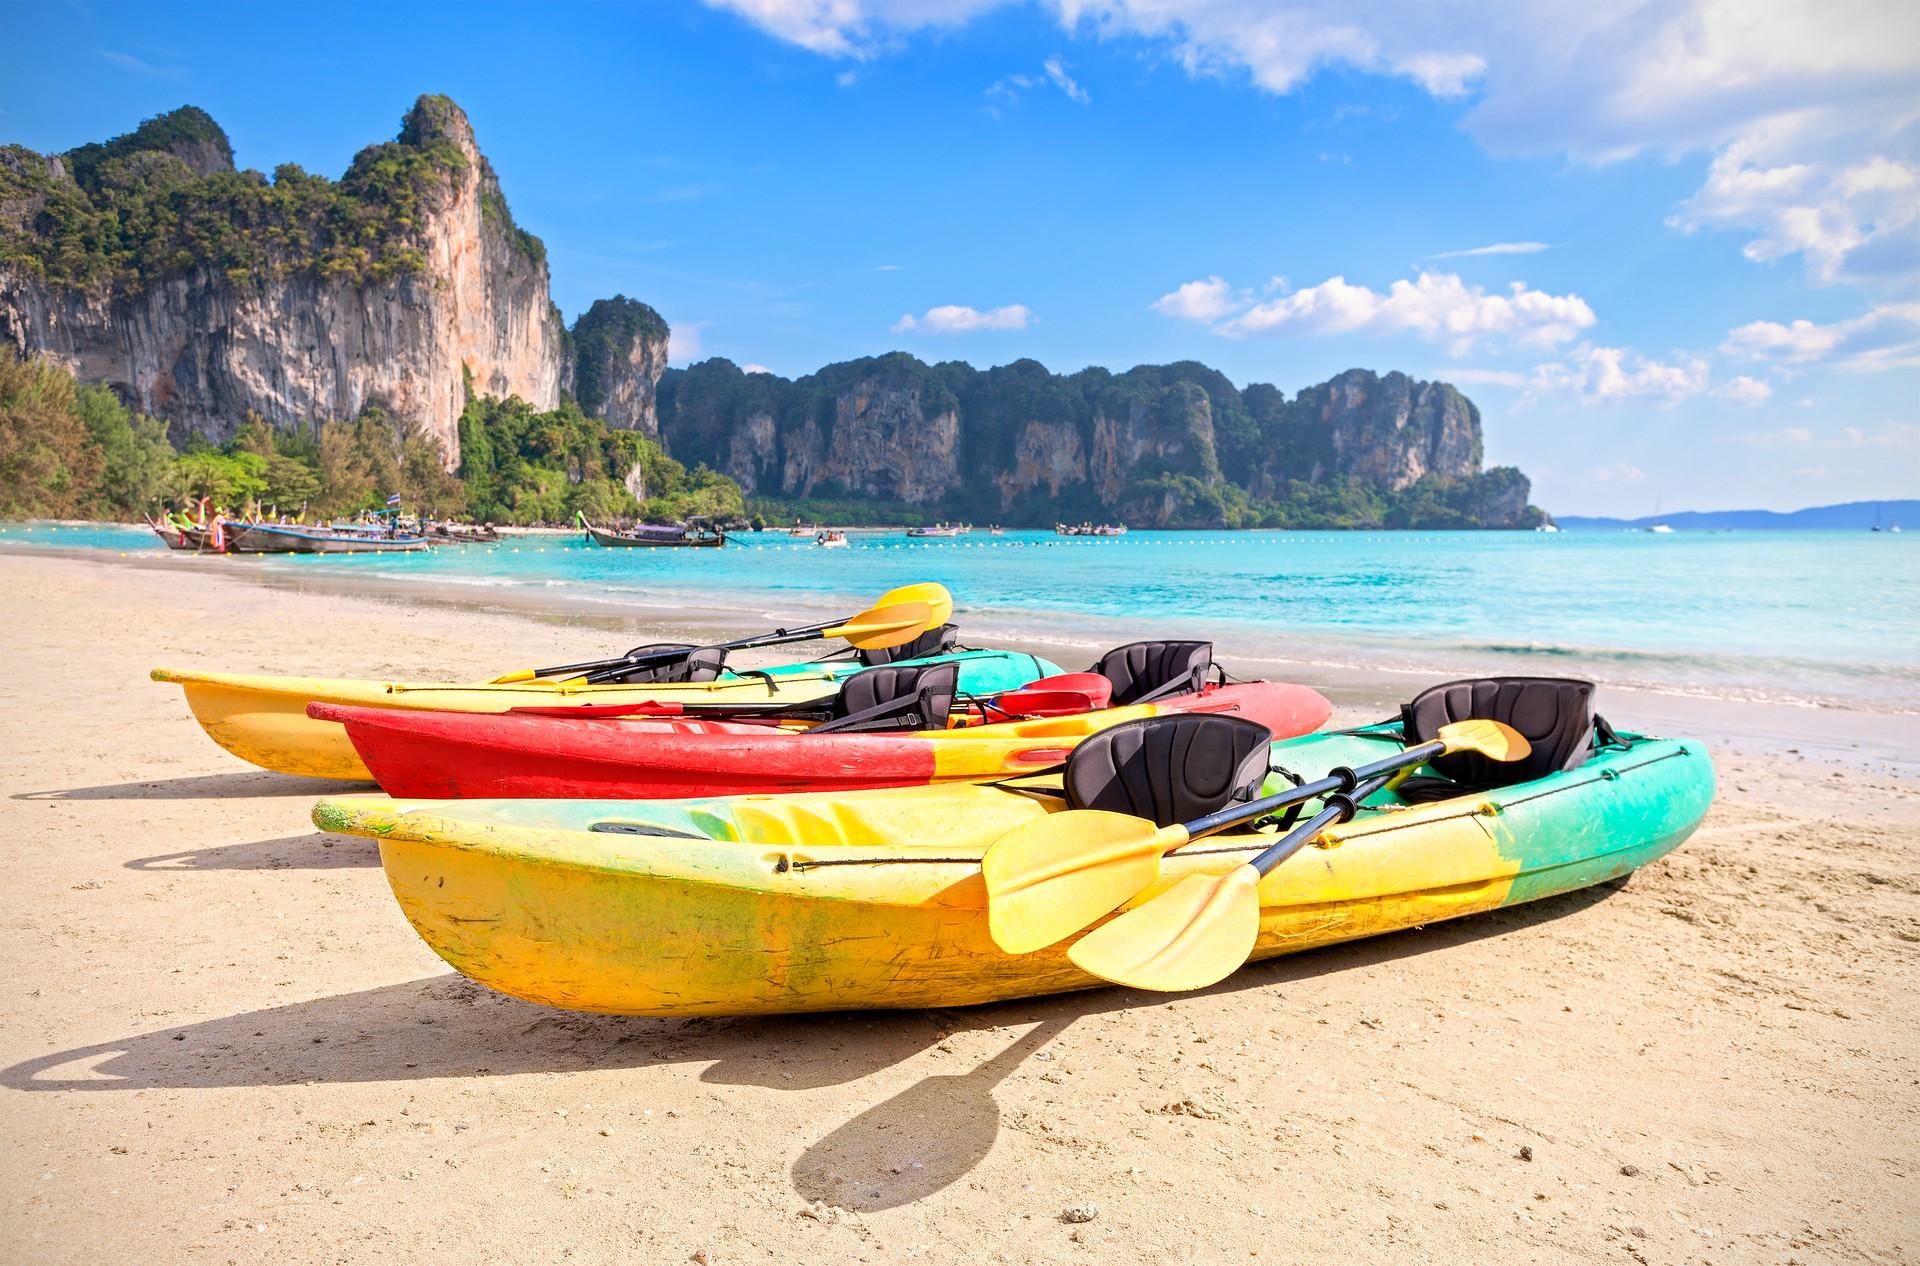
(1168, 769)
(893, 697)
(1554, 715)
(933, 642)
(1144, 671)
(689, 663)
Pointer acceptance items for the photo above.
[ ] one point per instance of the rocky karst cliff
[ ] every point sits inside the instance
(620, 351)
(202, 293)
(1159, 444)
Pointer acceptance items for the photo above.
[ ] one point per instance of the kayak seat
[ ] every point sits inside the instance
(691, 663)
(1554, 714)
(933, 642)
(1144, 671)
(1169, 769)
(893, 697)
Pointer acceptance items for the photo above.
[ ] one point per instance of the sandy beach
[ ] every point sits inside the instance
(221, 1042)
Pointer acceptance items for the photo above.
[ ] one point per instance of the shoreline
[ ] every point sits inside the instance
(1885, 740)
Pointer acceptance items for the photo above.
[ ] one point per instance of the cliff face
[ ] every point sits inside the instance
(620, 351)
(295, 336)
(1158, 445)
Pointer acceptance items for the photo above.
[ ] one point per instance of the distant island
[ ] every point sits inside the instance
(172, 327)
(1847, 516)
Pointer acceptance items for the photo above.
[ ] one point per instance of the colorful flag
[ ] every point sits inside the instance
(394, 500)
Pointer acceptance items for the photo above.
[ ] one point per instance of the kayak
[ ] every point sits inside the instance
(829, 901)
(448, 754)
(263, 720)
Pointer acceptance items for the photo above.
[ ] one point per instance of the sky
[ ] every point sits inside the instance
(1671, 250)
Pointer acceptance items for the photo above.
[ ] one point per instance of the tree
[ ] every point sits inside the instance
(137, 461)
(47, 460)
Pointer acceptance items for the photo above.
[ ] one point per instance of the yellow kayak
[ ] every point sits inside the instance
(263, 720)
(833, 900)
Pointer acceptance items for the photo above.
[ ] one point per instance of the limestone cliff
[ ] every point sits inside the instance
(299, 299)
(1158, 445)
(620, 351)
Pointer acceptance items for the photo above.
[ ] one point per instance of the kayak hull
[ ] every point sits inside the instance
(263, 720)
(874, 899)
(429, 755)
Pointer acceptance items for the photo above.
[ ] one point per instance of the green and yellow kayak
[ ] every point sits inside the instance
(828, 901)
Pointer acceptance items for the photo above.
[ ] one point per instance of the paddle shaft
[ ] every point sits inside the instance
(1340, 806)
(623, 662)
(1339, 782)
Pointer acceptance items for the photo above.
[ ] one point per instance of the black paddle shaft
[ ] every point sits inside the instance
(1342, 781)
(1340, 806)
(630, 660)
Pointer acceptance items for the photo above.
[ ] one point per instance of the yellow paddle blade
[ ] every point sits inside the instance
(507, 679)
(1196, 933)
(884, 626)
(1492, 739)
(934, 595)
(1049, 878)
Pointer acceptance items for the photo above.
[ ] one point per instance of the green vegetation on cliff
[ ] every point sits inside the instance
(602, 338)
(68, 451)
(165, 198)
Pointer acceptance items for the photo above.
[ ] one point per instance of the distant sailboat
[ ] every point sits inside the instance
(1657, 525)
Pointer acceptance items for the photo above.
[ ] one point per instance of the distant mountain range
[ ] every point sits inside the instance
(1848, 516)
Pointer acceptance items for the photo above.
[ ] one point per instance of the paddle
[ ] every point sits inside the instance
(1204, 928)
(1051, 877)
(864, 631)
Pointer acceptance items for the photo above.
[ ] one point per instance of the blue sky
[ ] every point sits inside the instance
(1673, 252)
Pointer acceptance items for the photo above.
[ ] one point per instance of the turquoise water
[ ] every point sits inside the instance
(1798, 616)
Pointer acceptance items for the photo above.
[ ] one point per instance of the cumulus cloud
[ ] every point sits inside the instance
(1886, 337)
(1809, 107)
(955, 318)
(1484, 377)
(1611, 375)
(1437, 307)
(1744, 390)
(1206, 300)
(754, 367)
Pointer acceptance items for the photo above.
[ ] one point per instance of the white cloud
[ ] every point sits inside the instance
(127, 61)
(1619, 472)
(1057, 72)
(1207, 300)
(754, 367)
(1609, 375)
(954, 318)
(1745, 390)
(1497, 248)
(1437, 307)
(1808, 105)
(886, 268)
(847, 78)
(1886, 337)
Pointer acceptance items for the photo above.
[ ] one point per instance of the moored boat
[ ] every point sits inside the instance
(831, 901)
(652, 535)
(293, 538)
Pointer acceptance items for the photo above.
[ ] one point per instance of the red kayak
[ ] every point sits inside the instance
(446, 755)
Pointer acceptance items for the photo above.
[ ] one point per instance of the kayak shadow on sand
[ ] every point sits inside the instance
(237, 784)
(316, 850)
(905, 1147)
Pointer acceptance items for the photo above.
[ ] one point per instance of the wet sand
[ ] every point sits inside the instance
(221, 1042)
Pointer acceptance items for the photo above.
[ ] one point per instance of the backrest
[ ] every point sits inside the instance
(1169, 769)
(894, 697)
(933, 642)
(689, 663)
(1554, 714)
(1157, 669)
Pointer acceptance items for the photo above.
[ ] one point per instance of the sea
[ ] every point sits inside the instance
(1809, 618)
